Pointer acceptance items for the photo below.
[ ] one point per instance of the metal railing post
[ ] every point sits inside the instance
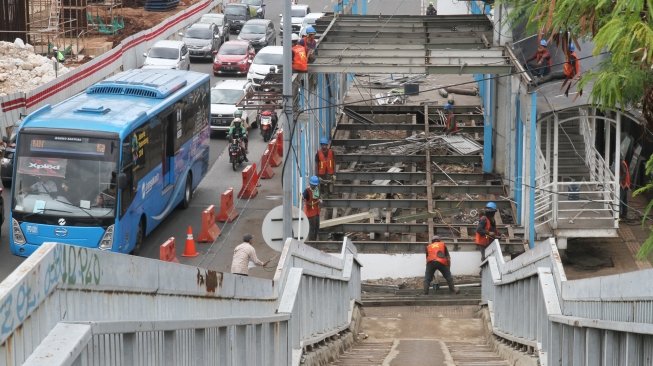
(556, 139)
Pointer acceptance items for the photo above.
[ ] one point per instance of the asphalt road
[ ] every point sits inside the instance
(176, 224)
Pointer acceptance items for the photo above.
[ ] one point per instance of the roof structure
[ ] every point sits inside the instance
(447, 44)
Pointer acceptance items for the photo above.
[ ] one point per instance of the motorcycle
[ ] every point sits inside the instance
(268, 124)
(236, 153)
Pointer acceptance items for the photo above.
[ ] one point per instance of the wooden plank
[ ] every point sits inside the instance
(346, 219)
(385, 182)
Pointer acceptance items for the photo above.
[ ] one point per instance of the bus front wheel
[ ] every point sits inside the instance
(140, 234)
(188, 193)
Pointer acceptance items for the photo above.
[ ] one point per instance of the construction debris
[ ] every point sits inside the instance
(412, 145)
(346, 219)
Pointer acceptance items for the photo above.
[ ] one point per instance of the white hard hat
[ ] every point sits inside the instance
(54, 48)
(294, 37)
(238, 120)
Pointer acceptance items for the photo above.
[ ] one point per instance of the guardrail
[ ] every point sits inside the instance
(70, 305)
(127, 55)
(594, 321)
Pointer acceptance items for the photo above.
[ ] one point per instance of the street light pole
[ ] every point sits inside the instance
(287, 127)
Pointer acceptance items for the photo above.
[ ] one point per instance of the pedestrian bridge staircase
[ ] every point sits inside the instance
(67, 305)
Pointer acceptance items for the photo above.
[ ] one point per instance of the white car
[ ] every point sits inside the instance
(309, 20)
(167, 55)
(268, 57)
(224, 98)
(297, 13)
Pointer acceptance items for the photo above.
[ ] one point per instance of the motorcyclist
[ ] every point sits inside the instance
(269, 106)
(237, 130)
(238, 114)
(430, 10)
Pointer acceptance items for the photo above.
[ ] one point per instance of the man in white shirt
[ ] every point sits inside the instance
(243, 254)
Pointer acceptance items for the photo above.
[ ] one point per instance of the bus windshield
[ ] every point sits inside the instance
(65, 176)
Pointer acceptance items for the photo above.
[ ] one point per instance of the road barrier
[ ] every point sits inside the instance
(168, 251)
(227, 212)
(275, 157)
(279, 139)
(209, 231)
(250, 181)
(189, 248)
(266, 168)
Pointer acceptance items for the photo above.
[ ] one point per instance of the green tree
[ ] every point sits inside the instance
(623, 29)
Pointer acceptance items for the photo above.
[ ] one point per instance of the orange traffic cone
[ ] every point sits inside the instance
(189, 248)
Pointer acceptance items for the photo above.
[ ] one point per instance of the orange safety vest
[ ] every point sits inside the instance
(571, 67)
(436, 252)
(483, 240)
(326, 162)
(625, 175)
(299, 59)
(311, 205)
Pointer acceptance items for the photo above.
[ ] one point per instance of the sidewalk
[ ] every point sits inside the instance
(217, 255)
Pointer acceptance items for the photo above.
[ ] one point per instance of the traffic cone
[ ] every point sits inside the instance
(189, 248)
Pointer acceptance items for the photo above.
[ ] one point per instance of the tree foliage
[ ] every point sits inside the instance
(623, 29)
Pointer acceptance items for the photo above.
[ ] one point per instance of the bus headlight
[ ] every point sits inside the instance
(19, 238)
(107, 239)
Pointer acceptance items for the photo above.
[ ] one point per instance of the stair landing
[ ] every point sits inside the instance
(421, 335)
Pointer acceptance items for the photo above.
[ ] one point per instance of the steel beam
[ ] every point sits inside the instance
(324, 66)
(406, 177)
(380, 127)
(380, 228)
(374, 203)
(468, 188)
(468, 205)
(447, 159)
(367, 58)
(376, 188)
(417, 109)
(389, 142)
(408, 247)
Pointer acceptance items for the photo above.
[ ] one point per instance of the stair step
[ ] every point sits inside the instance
(364, 353)
(473, 354)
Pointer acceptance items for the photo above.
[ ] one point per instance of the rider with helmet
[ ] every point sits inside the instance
(430, 10)
(486, 231)
(325, 163)
(237, 130)
(299, 57)
(312, 201)
(310, 43)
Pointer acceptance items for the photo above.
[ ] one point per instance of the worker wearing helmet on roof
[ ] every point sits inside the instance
(325, 162)
(310, 43)
(430, 10)
(299, 57)
(542, 57)
(312, 201)
(486, 231)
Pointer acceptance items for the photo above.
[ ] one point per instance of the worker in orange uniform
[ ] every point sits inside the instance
(486, 231)
(299, 57)
(312, 203)
(325, 163)
(438, 258)
(625, 183)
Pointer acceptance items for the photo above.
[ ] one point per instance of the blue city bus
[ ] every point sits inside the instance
(103, 168)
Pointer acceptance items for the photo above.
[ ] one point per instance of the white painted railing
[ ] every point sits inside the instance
(68, 305)
(597, 321)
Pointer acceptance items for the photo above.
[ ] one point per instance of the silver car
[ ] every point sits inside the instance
(203, 40)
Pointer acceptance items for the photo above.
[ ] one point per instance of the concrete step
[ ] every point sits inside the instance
(365, 353)
(474, 354)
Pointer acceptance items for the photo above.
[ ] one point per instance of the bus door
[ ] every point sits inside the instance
(168, 151)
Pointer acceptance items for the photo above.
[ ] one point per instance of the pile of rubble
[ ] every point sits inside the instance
(418, 282)
(22, 70)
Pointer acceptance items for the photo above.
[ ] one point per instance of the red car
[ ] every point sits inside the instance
(234, 56)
